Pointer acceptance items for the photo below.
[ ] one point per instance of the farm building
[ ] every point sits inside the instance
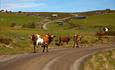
(75, 15)
(54, 15)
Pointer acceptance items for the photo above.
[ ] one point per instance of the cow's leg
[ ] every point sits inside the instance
(34, 48)
(67, 43)
(59, 42)
(77, 45)
(34, 43)
(43, 48)
(47, 48)
(74, 45)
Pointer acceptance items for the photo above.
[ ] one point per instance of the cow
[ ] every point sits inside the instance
(76, 39)
(64, 39)
(100, 34)
(44, 41)
(105, 29)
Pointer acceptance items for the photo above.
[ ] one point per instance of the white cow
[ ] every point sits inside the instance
(106, 29)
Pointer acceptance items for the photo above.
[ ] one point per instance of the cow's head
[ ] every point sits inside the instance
(34, 37)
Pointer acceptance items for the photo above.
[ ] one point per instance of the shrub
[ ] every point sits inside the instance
(13, 24)
(30, 25)
(6, 41)
(19, 11)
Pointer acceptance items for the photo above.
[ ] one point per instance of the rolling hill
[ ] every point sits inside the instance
(20, 26)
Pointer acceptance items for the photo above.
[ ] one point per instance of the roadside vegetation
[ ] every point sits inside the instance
(101, 61)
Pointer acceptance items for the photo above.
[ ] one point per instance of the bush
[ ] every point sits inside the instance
(84, 42)
(6, 41)
(19, 11)
(13, 24)
(30, 25)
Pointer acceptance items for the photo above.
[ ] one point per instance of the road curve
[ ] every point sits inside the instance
(56, 59)
(44, 26)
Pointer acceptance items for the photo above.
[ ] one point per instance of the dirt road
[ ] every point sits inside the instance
(55, 59)
(49, 21)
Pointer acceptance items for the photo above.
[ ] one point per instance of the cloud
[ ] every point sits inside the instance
(21, 4)
(24, 5)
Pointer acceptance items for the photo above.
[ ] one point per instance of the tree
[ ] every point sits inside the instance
(19, 11)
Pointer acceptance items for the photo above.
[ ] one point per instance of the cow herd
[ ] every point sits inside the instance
(46, 39)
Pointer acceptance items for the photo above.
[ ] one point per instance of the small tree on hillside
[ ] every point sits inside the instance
(19, 11)
(30, 25)
(13, 24)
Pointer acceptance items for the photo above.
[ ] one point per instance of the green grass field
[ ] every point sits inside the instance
(21, 35)
(84, 27)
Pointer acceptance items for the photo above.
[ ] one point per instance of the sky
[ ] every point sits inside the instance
(56, 5)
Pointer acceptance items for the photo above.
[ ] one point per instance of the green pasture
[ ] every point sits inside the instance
(21, 36)
(84, 27)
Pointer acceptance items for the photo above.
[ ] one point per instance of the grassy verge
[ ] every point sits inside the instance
(101, 61)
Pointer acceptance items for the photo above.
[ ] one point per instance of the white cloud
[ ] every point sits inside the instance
(24, 5)
(21, 4)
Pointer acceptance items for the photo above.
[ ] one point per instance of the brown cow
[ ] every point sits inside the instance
(64, 39)
(76, 39)
(47, 40)
(43, 41)
(102, 33)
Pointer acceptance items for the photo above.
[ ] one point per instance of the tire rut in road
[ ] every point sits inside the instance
(67, 61)
(31, 62)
